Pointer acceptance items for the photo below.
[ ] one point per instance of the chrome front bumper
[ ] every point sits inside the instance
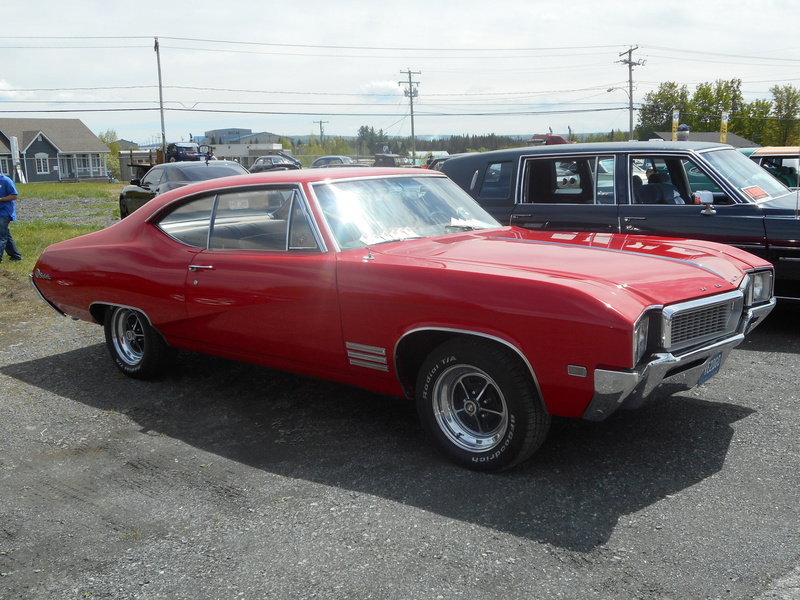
(666, 373)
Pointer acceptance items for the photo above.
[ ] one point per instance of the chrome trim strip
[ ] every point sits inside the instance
(365, 348)
(370, 357)
(369, 365)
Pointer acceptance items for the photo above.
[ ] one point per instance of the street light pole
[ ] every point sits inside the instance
(161, 102)
(630, 110)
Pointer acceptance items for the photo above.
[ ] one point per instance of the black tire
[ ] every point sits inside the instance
(123, 209)
(477, 403)
(136, 348)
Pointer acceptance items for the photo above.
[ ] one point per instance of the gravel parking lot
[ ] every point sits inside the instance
(223, 480)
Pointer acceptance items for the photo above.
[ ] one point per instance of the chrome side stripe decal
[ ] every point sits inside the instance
(370, 357)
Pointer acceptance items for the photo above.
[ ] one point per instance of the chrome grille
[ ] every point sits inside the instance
(691, 323)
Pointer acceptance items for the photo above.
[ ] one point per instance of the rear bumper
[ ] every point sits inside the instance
(666, 373)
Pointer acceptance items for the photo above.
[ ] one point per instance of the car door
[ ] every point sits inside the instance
(567, 192)
(665, 205)
(146, 190)
(264, 289)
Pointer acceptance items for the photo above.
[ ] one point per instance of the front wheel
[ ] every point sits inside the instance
(476, 401)
(135, 347)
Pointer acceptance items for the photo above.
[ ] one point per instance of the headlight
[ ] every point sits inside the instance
(758, 287)
(641, 331)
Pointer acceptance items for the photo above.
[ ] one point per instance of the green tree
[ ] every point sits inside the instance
(110, 138)
(655, 113)
(753, 121)
(785, 128)
(710, 100)
(369, 141)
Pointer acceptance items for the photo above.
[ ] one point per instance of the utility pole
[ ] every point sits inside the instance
(161, 102)
(411, 92)
(321, 132)
(631, 63)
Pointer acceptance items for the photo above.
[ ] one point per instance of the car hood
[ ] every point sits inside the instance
(658, 270)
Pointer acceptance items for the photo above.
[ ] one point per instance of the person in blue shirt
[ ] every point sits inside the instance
(8, 213)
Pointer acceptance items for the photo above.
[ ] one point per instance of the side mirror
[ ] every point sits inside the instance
(136, 182)
(705, 198)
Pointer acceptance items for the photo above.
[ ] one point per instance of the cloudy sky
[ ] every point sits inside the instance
(290, 67)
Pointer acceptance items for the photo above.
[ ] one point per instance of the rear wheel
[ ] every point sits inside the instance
(135, 347)
(476, 401)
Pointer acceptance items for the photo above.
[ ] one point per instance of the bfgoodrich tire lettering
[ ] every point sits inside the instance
(477, 403)
(135, 347)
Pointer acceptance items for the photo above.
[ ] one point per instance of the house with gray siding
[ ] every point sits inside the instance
(52, 150)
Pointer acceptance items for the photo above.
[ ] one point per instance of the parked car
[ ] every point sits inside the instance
(274, 162)
(435, 163)
(188, 151)
(690, 190)
(780, 161)
(331, 161)
(396, 281)
(392, 160)
(168, 176)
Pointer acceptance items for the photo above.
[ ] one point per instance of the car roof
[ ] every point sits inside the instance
(290, 177)
(778, 150)
(604, 147)
(196, 164)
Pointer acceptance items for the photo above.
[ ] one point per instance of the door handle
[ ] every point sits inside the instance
(200, 267)
(635, 218)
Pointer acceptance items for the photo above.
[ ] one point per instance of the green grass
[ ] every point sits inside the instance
(108, 192)
(31, 237)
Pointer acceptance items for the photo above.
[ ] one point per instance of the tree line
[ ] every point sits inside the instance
(768, 122)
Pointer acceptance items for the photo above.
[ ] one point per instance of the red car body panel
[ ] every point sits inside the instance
(560, 299)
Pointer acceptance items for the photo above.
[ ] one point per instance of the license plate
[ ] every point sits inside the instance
(712, 368)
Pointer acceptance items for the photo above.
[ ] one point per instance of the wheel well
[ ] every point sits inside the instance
(414, 348)
(98, 311)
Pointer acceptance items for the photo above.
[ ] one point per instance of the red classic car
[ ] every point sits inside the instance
(398, 282)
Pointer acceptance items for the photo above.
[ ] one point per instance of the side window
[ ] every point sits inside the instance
(153, 177)
(497, 182)
(565, 180)
(663, 183)
(189, 223)
(784, 169)
(301, 235)
(262, 219)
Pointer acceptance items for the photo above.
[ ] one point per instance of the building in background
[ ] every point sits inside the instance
(52, 150)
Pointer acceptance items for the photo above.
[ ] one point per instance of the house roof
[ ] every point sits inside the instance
(734, 140)
(68, 135)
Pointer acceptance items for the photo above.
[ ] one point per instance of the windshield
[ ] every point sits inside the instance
(741, 172)
(366, 212)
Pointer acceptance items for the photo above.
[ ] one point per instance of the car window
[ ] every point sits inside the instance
(496, 182)
(569, 180)
(263, 219)
(752, 181)
(367, 212)
(664, 181)
(785, 169)
(190, 222)
(153, 177)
